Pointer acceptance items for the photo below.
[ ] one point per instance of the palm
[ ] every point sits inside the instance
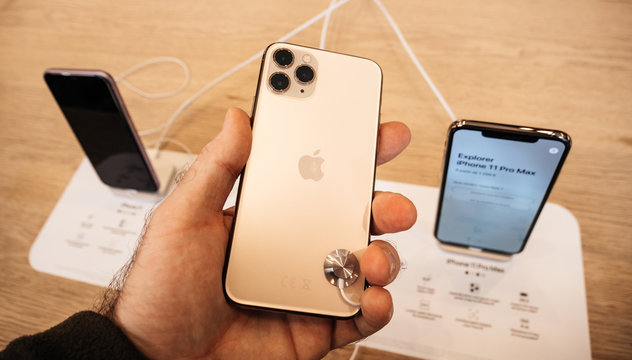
(196, 321)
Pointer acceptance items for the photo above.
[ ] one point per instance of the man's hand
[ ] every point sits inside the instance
(172, 304)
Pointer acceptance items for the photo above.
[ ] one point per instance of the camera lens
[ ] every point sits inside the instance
(305, 74)
(279, 82)
(283, 57)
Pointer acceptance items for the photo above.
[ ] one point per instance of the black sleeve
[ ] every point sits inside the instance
(85, 335)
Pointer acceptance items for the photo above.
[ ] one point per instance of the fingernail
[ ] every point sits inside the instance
(393, 259)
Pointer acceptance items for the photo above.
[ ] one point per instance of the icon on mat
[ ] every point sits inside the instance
(403, 264)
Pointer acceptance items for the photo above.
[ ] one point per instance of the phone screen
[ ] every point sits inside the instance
(494, 186)
(102, 128)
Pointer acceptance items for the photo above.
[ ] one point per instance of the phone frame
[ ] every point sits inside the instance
(504, 131)
(122, 110)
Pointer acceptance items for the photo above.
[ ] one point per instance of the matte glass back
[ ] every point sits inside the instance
(308, 184)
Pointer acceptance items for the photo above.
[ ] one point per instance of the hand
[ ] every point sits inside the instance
(172, 304)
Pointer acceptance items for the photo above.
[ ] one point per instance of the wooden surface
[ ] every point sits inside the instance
(563, 64)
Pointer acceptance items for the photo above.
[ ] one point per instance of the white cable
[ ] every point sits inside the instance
(151, 131)
(185, 83)
(323, 32)
(189, 101)
(415, 60)
(333, 5)
(309, 22)
(243, 64)
(178, 143)
(344, 296)
(356, 347)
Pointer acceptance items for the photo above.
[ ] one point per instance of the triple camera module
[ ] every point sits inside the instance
(292, 73)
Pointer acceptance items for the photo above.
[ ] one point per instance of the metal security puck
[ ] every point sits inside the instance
(341, 268)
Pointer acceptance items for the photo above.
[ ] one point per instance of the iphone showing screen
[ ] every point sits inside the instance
(496, 179)
(95, 111)
(307, 187)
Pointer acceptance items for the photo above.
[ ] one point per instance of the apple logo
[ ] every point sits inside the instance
(310, 166)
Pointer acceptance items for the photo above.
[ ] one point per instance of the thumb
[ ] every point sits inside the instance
(212, 176)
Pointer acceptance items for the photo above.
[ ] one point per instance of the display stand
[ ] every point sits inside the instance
(449, 305)
(93, 230)
(165, 170)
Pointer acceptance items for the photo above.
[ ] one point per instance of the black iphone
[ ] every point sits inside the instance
(95, 111)
(496, 179)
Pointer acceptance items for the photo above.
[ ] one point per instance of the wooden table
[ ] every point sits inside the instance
(565, 64)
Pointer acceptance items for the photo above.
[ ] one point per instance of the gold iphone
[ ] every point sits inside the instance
(305, 193)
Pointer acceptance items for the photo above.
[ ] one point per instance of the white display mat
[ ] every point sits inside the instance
(93, 230)
(455, 306)
(447, 305)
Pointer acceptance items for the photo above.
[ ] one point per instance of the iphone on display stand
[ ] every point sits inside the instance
(496, 179)
(94, 109)
(303, 210)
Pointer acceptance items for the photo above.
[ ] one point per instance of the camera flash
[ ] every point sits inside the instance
(307, 58)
